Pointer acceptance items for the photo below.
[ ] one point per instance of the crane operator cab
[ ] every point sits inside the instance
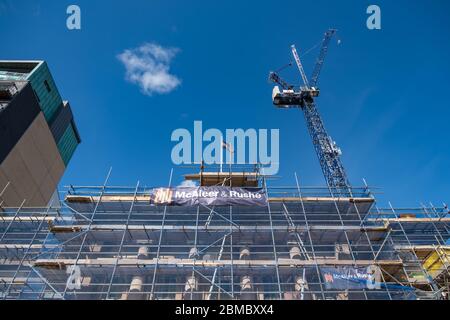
(293, 99)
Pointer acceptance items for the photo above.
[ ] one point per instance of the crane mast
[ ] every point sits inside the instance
(326, 149)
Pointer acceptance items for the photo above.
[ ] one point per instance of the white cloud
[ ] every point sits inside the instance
(188, 184)
(148, 66)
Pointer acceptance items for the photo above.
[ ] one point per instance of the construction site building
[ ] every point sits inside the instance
(111, 242)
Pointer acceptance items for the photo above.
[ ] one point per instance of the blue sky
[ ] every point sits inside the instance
(384, 92)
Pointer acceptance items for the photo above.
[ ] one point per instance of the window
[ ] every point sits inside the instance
(47, 86)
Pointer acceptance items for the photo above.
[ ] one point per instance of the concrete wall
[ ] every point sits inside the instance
(34, 167)
(16, 118)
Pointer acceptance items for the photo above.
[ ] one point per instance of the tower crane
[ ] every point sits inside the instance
(304, 98)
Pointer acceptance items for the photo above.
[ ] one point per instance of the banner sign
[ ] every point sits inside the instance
(208, 196)
(342, 278)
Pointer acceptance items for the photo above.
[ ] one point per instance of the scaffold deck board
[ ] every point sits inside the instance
(237, 179)
(58, 263)
(299, 228)
(146, 198)
(325, 233)
(25, 219)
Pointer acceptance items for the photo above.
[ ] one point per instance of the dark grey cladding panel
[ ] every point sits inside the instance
(16, 118)
(61, 121)
(75, 129)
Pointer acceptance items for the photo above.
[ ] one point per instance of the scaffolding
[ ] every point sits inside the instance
(111, 242)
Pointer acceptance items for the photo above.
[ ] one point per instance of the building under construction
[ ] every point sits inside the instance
(232, 235)
(106, 242)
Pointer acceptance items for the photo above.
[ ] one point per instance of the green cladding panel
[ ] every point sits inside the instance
(49, 98)
(67, 144)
